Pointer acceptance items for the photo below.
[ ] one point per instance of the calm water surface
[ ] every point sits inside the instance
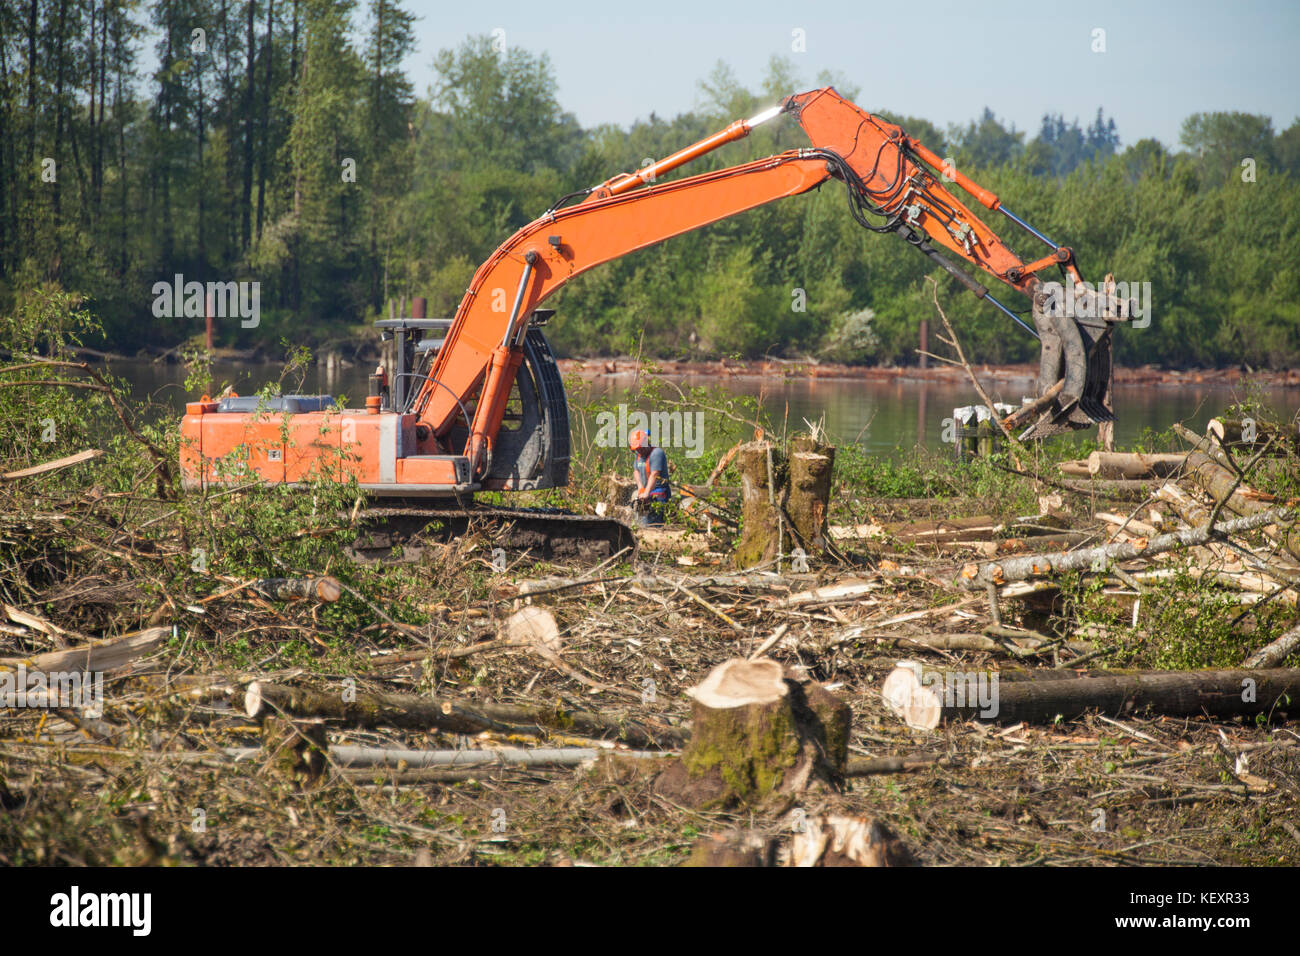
(880, 416)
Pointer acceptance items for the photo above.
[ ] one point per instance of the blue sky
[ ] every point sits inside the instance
(617, 61)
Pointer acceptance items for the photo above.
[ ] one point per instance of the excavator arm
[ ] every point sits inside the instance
(895, 185)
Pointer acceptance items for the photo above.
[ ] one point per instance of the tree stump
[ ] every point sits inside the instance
(763, 498)
(617, 493)
(617, 490)
(838, 840)
(758, 739)
(812, 465)
(296, 748)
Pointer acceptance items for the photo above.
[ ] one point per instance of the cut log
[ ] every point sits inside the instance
(536, 626)
(946, 529)
(1122, 489)
(979, 576)
(1220, 483)
(924, 700)
(366, 710)
(1116, 464)
(763, 500)
(409, 712)
(1235, 433)
(110, 654)
(1193, 513)
(348, 755)
(322, 588)
(758, 739)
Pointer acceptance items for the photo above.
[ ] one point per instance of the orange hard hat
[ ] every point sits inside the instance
(638, 440)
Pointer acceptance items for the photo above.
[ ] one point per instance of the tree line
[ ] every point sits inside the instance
(280, 141)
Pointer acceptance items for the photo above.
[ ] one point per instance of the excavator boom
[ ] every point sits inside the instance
(444, 435)
(889, 178)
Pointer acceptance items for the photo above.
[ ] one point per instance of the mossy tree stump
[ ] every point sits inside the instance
(763, 492)
(812, 466)
(758, 739)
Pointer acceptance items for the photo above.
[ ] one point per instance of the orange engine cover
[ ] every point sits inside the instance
(299, 447)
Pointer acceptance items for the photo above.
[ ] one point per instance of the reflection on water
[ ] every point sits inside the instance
(881, 416)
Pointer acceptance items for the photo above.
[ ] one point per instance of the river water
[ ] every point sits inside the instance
(882, 416)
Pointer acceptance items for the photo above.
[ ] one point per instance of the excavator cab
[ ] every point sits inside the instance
(532, 446)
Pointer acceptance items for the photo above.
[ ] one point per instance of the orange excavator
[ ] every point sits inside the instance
(483, 407)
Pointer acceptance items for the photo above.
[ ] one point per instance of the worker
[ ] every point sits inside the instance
(652, 487)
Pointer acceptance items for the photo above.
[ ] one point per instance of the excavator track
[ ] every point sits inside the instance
(398, 534)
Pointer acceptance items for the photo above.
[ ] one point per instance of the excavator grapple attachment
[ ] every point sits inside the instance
(1075, 372)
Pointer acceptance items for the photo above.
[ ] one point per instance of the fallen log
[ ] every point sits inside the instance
(1122, 489)
(387, 777)
(872, 766)
(925, 700)
(409, 712)
(1235, 433)
(1193, 513)
(1204, 445)
(88, 455)
(1130, 465)
(841, 592)
(404, 711)
(349, 755)
(323, 588)
(110, 654)
(1271, 655)
(1222, 485)
(979, 576)
(757, 739)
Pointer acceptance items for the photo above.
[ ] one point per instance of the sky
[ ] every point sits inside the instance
(617, 62)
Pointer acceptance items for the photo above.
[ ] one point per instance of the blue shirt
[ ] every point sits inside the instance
(656, 461)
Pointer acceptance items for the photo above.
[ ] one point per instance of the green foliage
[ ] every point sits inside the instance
(1187, 622)
(234, 163)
